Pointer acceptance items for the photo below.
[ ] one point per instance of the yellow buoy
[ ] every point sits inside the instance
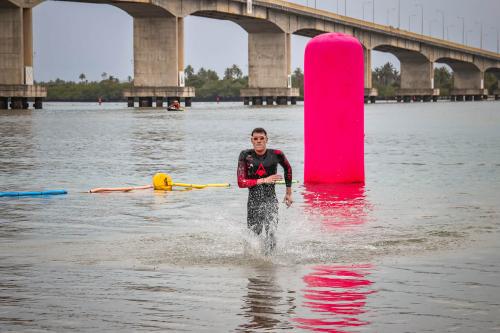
(163, 182)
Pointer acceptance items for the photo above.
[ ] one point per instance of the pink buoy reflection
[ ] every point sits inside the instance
(336, 297)
(339, 205)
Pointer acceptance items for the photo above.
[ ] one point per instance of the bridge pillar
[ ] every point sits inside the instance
(155, 51)
(468, 81)
(4, 103)
(38, 103)
(16, 57)
(417, 78)
(11, 46)
(269, 65)
(130, 102)
(158, 59)
(159, 102)
(370, 92)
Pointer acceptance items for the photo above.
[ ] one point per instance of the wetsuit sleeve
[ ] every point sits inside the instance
(286, 166)
(242, 173)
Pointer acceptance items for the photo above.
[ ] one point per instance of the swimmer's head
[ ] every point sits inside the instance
(259, 140)
(259, 130)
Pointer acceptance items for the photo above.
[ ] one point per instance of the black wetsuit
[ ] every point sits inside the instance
(262, 202)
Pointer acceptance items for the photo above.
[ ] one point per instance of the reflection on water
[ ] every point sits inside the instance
(12, 287)
(266, 307)
(144, 261)
(160, 147)
(17, 142)
(339, 205)
(336, 297)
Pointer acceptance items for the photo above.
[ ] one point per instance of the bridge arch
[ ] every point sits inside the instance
(458, 65)
(493, 69)
(311, 31)
(308, 32)
(134, 9)
(55, 25)
(269, 51)
(249, 24)
(156, 33)
(417, 71)
(466, 75)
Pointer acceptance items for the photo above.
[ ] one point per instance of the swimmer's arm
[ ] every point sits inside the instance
(283, 161)
(269, 180)
(243, 181)
(288, 197)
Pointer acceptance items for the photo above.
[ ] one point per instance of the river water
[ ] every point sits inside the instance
(415, 249)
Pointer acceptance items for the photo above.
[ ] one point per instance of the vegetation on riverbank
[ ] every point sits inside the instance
(209, 86)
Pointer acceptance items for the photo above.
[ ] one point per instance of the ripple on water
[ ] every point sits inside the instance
(184, 261)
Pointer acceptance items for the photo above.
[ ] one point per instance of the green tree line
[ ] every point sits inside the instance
(108, 89)
(209, 86)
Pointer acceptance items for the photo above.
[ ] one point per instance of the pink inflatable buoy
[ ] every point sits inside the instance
(334, 110)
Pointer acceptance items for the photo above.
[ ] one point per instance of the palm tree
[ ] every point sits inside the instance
(189, 72)
(82, 77)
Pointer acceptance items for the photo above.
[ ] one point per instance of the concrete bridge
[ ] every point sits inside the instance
(159, 51)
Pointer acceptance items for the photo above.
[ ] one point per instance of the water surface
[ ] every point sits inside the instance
(415, 249)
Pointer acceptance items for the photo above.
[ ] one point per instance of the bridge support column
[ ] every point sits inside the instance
(18, 103)
(4, 103)
(468, 81)
(370, 92)
(130, 102)
(256, 100)
(145, 102)
(38, 104)
(282, 100)
(371, 95)
(16, 57)
(417, 78)
(159, 102)
(269, 66)
(158, 59)
(11, 46)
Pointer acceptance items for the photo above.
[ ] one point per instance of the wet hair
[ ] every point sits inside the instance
(259, 130)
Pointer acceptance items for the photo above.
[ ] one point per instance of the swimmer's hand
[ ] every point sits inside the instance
(269, 180)
(288, 199)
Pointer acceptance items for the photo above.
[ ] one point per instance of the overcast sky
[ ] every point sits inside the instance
(72, 38)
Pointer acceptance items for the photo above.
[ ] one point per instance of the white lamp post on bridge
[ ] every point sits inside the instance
(442, 20)
(365, 3)
(409, 21)
(463, 28)
(422, 18)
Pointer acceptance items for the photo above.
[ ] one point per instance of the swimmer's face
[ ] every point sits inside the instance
(259, 141)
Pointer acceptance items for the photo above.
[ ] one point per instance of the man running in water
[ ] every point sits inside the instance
(257, 169)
